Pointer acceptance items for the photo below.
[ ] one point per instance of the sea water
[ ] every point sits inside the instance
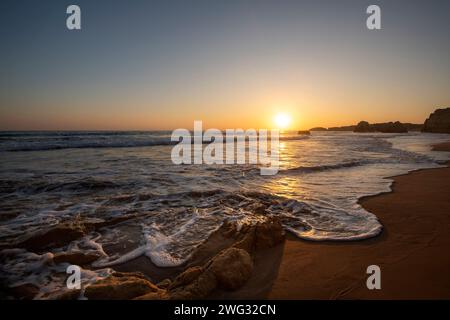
(52, 177)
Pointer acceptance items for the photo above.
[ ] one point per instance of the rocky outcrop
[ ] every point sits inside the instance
(261, 236)
(230, 269)
(343, 128)
(318, 129)
(363, 126)
(303, 132)
(438, 122)
(413, 126)
(388, 127)
(63, 233)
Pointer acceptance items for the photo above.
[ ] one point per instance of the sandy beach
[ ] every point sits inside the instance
(411, 251)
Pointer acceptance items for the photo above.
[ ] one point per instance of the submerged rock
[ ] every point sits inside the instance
(438, 121)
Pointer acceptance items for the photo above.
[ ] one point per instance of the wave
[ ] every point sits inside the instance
(15, 142)
(310, 169)
(36, 186)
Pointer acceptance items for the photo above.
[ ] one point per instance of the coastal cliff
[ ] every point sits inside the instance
(438, 122)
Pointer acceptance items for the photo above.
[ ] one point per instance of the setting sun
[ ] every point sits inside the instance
(282, 120)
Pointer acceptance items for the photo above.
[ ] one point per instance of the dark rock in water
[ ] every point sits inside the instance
(318, 129)
(58, 235)
(77, 258)
(305, 132)
(438, 122)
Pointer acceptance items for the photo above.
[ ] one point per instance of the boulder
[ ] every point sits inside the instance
(438, 122)
(232, 268)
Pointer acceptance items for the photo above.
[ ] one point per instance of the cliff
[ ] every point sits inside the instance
(438, 121)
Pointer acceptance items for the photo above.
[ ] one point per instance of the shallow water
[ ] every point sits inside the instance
(47, 178)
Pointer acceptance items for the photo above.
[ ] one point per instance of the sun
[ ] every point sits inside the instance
(282, 120)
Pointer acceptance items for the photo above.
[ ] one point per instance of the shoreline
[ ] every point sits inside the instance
(411, 250)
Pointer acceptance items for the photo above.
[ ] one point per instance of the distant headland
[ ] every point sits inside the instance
(437, 122)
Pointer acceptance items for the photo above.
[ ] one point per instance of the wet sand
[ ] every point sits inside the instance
(412, 251)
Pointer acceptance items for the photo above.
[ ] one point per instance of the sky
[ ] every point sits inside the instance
(147, 65)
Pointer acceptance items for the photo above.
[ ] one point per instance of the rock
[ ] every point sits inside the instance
(121, 286)
(438, 121)
(343, 128)
(304, 132)
(188, 276)
(262, 236)
(71, 294)
(164, 284)
(318, 129)
(158, 295)
(25, 291)
(413, 126)
(388, 127)
(198, 289)
(57, 236)
(363, 126)
(77, 258)
(232, 268)
(229, 270)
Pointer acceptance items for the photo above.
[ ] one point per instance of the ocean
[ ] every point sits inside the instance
(51, 177)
